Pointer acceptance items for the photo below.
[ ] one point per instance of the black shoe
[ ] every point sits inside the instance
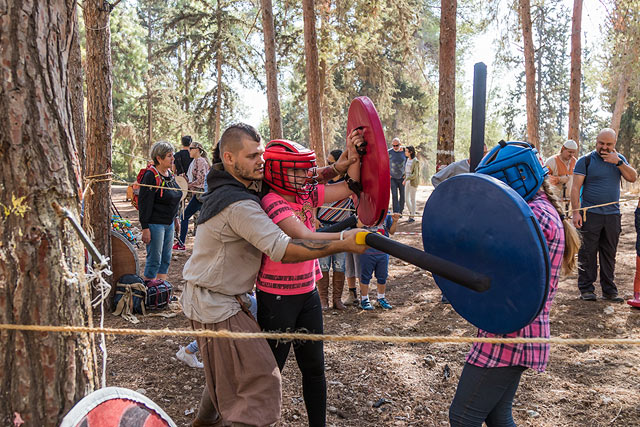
(444, 300)
(411, 220)
(612, 298)
(588, 296)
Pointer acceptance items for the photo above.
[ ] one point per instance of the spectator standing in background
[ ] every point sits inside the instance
(397, 162)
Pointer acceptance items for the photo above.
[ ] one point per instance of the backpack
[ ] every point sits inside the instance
(135, 296)
(130, 296)
(136, 186)
(158, 294)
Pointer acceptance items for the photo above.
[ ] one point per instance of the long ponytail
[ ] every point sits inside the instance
(572, 240)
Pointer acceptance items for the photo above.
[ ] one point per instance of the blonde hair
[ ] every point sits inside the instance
(572, 240)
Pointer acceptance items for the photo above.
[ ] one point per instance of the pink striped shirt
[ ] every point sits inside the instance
(297, 278)
(534, 356)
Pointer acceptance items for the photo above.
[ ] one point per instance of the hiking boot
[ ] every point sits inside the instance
(352, 298)
(366, 305)
(411, 220)
(338, 287)
(189, 358)
(588, 296)
(179, 247)
(323, 291)
(382, 302)
(612, 298)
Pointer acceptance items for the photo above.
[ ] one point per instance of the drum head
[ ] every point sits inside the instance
(373, 203)
(116, 406)
(477, 221)
(184, 186)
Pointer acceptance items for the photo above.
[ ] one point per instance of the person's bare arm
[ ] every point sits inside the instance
(299, 250)
(297, 230)
(578, 180)
(394, 223)
(628, 173)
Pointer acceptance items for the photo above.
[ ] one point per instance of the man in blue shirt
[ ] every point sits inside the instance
(596, 181)
(397, 161)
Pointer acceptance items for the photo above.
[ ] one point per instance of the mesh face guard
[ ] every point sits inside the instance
(518, 165)
(281, 158)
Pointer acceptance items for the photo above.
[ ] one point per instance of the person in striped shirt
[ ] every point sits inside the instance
(491, 374)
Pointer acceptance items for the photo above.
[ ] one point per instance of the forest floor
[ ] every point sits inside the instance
(584, 385)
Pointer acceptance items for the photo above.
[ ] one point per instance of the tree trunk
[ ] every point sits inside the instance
(621, 100)
(576, 73)
(76, 76)
(99, 123)
(219, 59)
(148, 84)
(218, 95)
(314, 103)
(447, 83)
(42, 277)
(271, 66)
(530, 73)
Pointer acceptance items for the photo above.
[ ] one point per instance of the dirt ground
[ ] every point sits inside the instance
(583, 385)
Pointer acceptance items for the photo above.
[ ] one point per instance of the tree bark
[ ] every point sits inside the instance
(530, 73)
(576, 73)
(148, 84)
(99, 123)
(447, 84)
(76, 76)
(42, 277)
(271, 66)
(219, 59)
(621, 101)
(314, 103)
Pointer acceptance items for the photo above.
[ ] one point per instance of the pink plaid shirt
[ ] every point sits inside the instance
(533, 356)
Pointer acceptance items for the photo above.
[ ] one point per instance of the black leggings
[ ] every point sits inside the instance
(299, 313)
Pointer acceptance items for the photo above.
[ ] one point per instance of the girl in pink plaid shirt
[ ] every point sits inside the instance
(492, 372)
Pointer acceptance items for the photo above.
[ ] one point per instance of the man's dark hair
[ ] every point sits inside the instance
(231, 139)
(186, 140)
(336, 154)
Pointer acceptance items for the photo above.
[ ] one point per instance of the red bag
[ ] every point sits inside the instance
(136, 187)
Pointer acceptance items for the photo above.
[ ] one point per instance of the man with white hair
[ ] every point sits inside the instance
(561, 169)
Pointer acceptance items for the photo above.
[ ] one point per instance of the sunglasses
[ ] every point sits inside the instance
(396, 145)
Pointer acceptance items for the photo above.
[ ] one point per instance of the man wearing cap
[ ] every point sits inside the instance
(596, 181)
(561, 169)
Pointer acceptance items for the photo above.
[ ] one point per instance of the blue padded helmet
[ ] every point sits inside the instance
(517, 164)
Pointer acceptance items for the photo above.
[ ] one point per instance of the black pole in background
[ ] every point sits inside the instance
(476, 152)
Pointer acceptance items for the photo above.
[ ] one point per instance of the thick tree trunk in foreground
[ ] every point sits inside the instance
(41, 259)
(530, 73)
(271, 66)
(447, 90)
(576, 73)
(99, 123)
(314, 103)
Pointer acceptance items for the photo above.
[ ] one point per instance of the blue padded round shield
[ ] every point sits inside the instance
(477, 221)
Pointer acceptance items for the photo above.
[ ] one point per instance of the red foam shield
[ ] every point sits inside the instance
(373, 203)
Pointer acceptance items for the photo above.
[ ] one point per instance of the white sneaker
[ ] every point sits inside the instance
(190, 359)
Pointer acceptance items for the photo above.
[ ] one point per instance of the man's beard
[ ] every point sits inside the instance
(248, 174)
